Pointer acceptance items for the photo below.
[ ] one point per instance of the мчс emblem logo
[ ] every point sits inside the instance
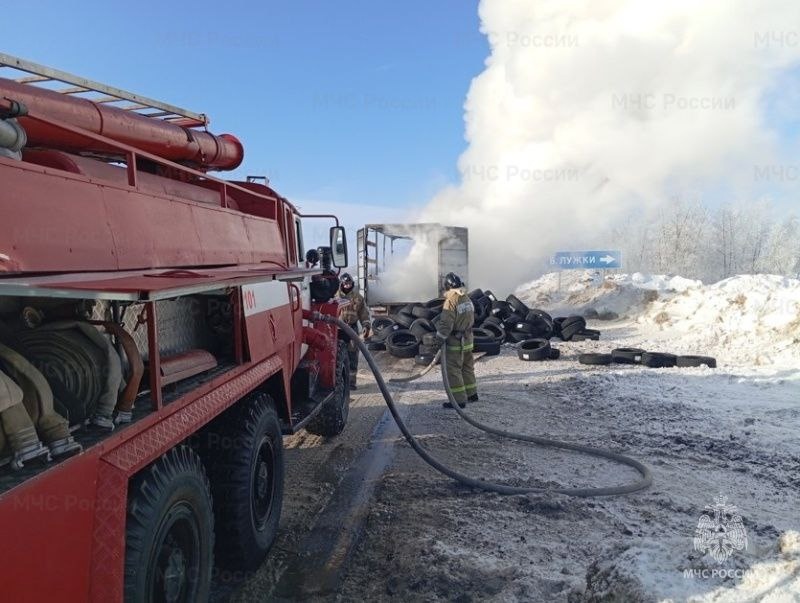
(720, 531)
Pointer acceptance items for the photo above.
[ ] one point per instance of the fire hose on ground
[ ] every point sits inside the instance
(644, 482)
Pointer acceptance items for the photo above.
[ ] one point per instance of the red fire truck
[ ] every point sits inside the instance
(157, 339)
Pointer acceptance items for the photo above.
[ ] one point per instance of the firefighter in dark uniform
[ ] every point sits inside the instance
(353, 314)
(455, 334)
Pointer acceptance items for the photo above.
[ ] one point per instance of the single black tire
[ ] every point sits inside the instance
(571, 326)
(685, 361)
(495, 329)
(584, 334)
(557, 322)
(380, 324)
(517, 306)
(482, 335)
(659, 360)
(516, 337)
(533, 349)
(495, 321)
(500, 310)
(386, 332)
(424, 359)
(475, 294)
(555, 353)
(597, 359)
(435, 304)
(490, 295)
(243, 451)
(423, 312)
(490, 348)
(332, 417)
(402, 344)
(627, 355)
(425, 350)
(524, 327)
(512, 320)
(169, 533)
(421, 327)
(404, 320)
(376, 346)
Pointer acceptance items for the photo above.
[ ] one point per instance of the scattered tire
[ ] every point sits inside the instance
(402, 344)
(571, 326)
(247, 478)
(501, 309)
(584, 334)
(659, 360)
(627, 355)
(595, 359)
(475, 294)
(533, 349)
(482, 335)
(525, 327)
(517, 305)
(685, 361)
(557, 322)
(421, 327)
(376, 346)
(169, 539)
(380, 323)
(516, 336)
(512, 320)
(555, 353)
(424, 359)
(490, 295)
(495, 329)
(404, 319)
(490, 348)
(423, 312)
(435, 304)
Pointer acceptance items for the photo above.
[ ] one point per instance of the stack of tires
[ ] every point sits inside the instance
(648, 359)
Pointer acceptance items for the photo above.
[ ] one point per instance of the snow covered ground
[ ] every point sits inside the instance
(727, 437)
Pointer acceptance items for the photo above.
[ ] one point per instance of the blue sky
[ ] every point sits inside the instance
(351, 101)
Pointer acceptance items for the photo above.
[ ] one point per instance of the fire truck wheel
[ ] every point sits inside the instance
(332, 417)
(169, 547)
(245, 458)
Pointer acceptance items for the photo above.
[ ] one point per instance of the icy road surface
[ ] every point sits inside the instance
(722, 443)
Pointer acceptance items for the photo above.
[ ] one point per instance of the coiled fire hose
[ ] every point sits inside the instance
(645, 481)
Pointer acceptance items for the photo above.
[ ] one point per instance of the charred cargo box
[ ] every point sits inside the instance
(404, 263)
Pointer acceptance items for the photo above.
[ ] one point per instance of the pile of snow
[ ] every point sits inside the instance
(582, 291)
(744, 320)
(749, 319)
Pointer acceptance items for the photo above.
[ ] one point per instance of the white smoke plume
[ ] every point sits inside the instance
(591, 109)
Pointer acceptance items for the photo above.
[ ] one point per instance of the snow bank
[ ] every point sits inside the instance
(744, 320)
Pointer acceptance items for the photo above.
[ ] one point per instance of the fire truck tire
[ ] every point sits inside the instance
(332, 417)
(169, 545)
(244, 454)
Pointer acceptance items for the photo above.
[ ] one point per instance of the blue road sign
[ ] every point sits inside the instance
(568, 260)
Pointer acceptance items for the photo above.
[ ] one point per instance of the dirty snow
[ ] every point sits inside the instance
(730, 432)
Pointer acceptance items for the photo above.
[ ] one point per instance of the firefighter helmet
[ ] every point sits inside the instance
(347, 283)
(452, 281)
